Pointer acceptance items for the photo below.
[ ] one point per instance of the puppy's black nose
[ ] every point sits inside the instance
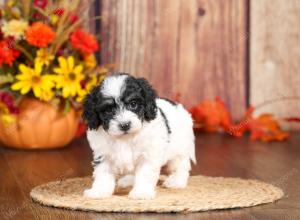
(125, 126)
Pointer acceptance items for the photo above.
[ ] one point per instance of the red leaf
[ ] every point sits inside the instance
(240, 128)
(292, 119)
(211, 116)
(266, 128)
(81, 129)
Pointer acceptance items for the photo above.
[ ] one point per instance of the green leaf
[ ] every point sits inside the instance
(8, 78)
(56, 103)
(67, 106)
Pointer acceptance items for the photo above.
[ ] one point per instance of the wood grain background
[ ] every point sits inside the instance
(196, 48)
(275, 56)
(246, 52)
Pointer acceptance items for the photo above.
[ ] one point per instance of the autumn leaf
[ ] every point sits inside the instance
(292, 119)
(266, 128)
(211, 116)
(241, 127)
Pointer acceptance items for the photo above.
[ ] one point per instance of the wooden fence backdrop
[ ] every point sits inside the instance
(196, 48)
(243, 51)
(275, 56)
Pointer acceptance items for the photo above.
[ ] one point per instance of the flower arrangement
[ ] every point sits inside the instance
(45, 54)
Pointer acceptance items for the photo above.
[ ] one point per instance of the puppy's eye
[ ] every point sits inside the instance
(133, 105)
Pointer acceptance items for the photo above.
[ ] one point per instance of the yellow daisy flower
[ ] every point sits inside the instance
(5, 116)
(95, 80)
(31, 79)
(10, 3)
(90, 84)
(14, 28)
(81, 94)
(69, 76)
(46, 95)
(54, 19)
(44, 57)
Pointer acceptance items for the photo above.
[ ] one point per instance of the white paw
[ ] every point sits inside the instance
(141, 194)
(96, 193)
(126, 181)
(175, 182)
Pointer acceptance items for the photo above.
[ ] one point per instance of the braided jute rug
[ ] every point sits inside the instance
(202, 193)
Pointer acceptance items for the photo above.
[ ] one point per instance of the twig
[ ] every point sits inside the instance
(24, 51)
(263, 104)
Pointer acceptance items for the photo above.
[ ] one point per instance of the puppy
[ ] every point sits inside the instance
(133, 133)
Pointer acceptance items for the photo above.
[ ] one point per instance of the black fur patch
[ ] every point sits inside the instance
(170, 101)
(150, 96)
(140, 91)
(133, 93)
(97, 160)
(90, 105)
(165, 120)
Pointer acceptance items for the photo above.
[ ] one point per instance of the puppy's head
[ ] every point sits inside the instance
(120, 104)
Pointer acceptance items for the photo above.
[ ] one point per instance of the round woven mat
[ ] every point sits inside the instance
(203, 193)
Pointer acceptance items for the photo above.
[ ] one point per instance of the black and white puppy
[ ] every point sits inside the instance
(133, 133)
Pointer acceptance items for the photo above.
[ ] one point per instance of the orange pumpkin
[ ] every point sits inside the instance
(39, 125)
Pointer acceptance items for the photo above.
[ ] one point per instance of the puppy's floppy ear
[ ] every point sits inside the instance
(90, 114)
(150, 95)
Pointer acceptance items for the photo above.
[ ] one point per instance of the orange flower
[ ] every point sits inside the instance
(84, 42)
(39, 34)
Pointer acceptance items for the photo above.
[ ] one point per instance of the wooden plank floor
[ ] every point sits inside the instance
(217, 155)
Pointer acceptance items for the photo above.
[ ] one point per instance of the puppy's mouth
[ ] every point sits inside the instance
(126, 134)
